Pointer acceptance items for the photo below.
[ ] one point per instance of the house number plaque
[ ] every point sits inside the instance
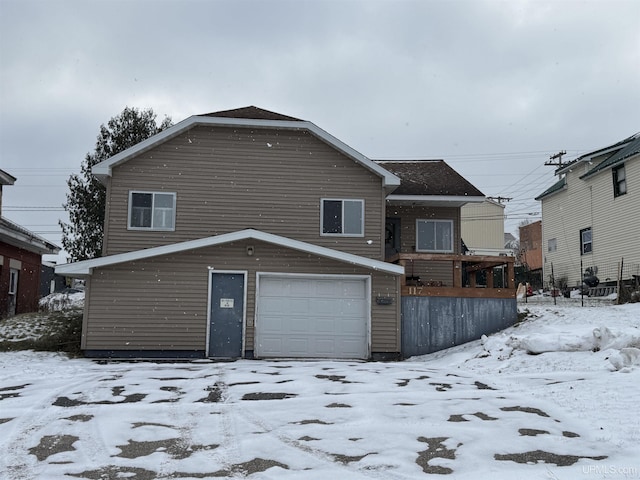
(226, 303)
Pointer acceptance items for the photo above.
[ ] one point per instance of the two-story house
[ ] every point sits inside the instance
(483, 228)
(20, 262)
(247, 233)
(590, 216)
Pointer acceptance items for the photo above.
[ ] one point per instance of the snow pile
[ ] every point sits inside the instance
(619, 342)
(62, 300)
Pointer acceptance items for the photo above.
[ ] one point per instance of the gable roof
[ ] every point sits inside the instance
(618, 151)
(431, 180)
(238, 119)
(13, 234)
(251, 112)
(629, 149)
(86, 267)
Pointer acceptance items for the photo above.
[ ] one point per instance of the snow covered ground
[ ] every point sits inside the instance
(487, 409)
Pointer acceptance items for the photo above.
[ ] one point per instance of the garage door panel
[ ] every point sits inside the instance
(350, 326)
(323, 307)
(353, 289)
(274, 287)
(271, 344)
(312, 317)
(324, 325)
(297, 346)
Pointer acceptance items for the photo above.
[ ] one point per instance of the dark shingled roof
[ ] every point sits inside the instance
(251, 112)
(429, 177)
(556, 187)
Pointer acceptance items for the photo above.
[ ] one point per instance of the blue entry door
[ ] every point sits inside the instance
(227, 315)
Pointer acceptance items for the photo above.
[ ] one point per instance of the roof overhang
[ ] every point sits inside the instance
(30, 242)
(433, 200)
(103, 169)
(6, 179)
(86, 267)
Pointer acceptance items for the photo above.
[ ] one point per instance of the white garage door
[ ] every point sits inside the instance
(312, 317)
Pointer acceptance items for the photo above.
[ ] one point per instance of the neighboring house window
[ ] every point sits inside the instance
(152, 211)
(586, 241)
(619, 181)
(13, 281)
(552, 245)
(342, 217)
(434, 235)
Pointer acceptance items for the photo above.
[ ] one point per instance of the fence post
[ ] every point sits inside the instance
(620, 267)
(581, 283)
(553, 285)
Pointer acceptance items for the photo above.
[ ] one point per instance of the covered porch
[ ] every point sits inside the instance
(455, 275)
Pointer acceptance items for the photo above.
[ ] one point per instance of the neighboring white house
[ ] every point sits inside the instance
(590, 216)
(482, 228)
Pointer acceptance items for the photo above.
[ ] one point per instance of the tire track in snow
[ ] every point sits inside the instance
(316, 453)
(27, 426)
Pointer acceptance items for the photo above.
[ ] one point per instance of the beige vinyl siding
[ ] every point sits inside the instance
(590, 202)
(482, 225)
(427, 271)
(161, 303)
(408, 216)
(230, 179)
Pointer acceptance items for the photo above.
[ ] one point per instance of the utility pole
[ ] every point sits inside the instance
(500, 199)
(558, 159)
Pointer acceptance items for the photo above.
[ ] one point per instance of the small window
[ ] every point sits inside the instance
(619, 181)
(152, 211)
(342, 217)
(13, 281)
(552, 245)
(586, 241)
(434, 235)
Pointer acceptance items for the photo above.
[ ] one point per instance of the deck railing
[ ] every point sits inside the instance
(463, 276)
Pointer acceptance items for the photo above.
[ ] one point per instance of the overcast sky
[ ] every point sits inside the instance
(492, 87)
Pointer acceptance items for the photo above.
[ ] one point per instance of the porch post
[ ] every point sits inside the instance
(511, 275)
(489, 274)
(457, 273)
(403, 278)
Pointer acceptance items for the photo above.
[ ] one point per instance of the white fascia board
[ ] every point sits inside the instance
(103, 169)
(436, 198)
(86, 267)
(389, 179)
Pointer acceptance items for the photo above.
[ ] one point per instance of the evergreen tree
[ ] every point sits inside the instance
(82, 237)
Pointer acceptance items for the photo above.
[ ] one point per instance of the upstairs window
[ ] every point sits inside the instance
(619, 181)
(434, 236)
(152, 211)
(342, 217)
(552, 244)
(586, 241)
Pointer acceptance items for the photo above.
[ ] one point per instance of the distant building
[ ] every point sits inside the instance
(590, 216)
(482, 227)
(20, 263)
(530, 252)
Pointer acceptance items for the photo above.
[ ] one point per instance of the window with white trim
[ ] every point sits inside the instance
(434, 236)
(619, 181)
(586, 241)
(152, 211)
(342, 217)
(13, 281)
(552, 245)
